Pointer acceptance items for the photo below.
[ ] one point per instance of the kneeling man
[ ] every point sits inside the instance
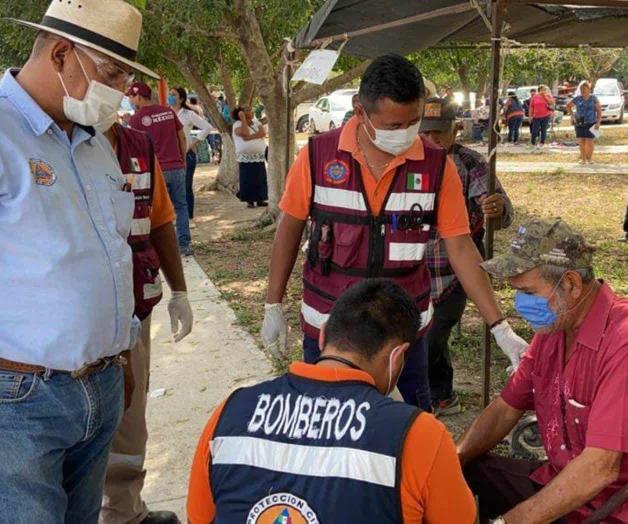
(324, 443)
(574, 376)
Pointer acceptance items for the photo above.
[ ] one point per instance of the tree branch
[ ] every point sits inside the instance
(227, 81)
(247, 92)
(314, 91)
(191, 74)
(244, 22)
(215, 34)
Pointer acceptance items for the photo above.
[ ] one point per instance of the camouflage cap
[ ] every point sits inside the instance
(540, 242)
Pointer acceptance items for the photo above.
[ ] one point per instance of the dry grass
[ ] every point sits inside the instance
(594, 204)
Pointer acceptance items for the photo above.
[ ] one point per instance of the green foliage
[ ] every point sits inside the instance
(470, 68)
(16, 41)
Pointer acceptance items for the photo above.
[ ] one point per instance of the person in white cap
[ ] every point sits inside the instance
(65, 264)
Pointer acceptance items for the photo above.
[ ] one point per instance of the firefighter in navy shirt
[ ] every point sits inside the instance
(323, 443)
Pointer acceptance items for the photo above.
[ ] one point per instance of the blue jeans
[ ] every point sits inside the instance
(514, 125)
(189, 181)
(55, 433)
(175, 182)
(413, 383)
(539, 127)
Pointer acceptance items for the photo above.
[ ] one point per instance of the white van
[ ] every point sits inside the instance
(610, 93)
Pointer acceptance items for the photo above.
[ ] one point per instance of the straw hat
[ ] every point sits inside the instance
(111, 27)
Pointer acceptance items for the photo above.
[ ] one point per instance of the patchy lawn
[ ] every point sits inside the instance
(238, 264)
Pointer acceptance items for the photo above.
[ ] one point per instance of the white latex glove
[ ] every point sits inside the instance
(275, 330)
(180, 313)
(510, 343)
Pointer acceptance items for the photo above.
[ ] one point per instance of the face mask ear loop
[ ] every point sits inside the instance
(390, 358)
(366, 128)
(82, 67)
(63, 84)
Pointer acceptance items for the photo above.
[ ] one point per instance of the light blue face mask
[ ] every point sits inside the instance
(535, 310)
(172, 100)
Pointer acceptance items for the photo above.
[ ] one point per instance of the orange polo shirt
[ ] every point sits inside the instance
(162, 210)
(452, 219)
(433, 488)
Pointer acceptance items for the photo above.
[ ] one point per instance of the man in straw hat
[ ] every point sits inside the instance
(573, 376)
(65, 264)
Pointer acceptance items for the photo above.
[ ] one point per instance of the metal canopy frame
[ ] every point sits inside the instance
(496, 10)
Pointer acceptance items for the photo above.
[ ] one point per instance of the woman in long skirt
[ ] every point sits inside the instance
(250, 146)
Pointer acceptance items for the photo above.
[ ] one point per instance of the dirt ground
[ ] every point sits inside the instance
(235, 254)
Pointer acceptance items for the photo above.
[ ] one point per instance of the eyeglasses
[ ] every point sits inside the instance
(114, 75)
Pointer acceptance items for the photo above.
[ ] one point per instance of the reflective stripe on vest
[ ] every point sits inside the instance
(316, 319)
(347, 243)
(341, 198)
(404, 201)
(313, 461)
(140, 226)
(330, 452)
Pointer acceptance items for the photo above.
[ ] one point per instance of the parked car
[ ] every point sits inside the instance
(302, 117)
(329, 111)
(610, 93)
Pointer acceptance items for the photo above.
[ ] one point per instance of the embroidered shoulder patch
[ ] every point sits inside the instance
(336, 171)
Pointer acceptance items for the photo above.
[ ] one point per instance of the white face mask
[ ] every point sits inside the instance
(98, 105)
(391, 386)
(395, 141)
(105, 125)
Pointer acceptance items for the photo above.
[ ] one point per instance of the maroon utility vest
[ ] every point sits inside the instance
(348, 243)
(136, 156)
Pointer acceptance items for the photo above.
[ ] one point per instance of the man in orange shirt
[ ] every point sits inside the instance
(324, 443)
(372, 191)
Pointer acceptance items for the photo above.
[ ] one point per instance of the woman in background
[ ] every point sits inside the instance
(541, 111)
(588, 115)
(178, 100)
(250, 146)
(513, 113)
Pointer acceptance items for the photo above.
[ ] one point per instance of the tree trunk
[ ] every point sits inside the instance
(228, 172)
(228, 179)
(279, 141)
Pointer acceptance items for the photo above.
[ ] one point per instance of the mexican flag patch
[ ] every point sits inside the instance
(414, 181)
(138, 165)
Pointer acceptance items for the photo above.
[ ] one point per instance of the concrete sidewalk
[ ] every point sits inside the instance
(550, 167)
(558, 149)
(197, 374)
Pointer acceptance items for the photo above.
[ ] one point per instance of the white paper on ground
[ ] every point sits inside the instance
(157, 393)
(597, 133)
(317, 66)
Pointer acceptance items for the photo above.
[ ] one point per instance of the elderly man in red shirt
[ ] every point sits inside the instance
(574, 376)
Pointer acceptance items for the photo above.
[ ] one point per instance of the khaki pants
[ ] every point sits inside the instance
(122, 502)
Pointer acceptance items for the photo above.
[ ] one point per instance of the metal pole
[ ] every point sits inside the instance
(497, 15)
(289, 125)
